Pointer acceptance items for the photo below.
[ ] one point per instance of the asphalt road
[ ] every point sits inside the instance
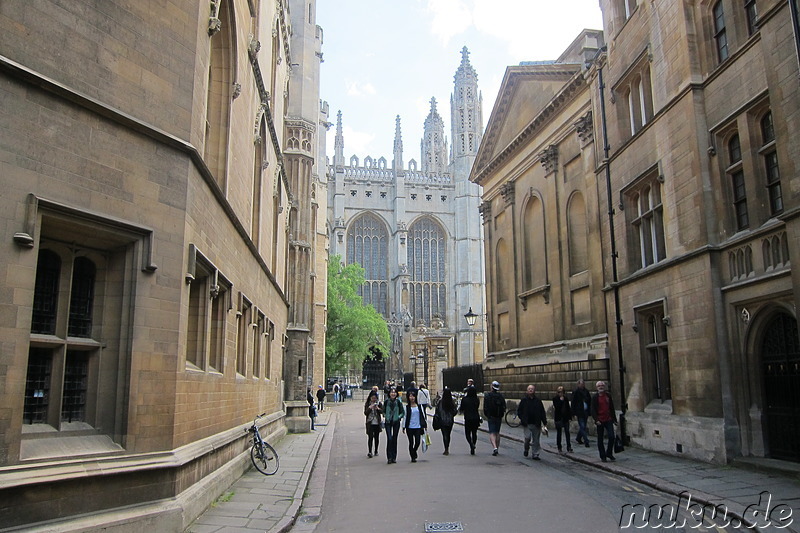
(480, 493)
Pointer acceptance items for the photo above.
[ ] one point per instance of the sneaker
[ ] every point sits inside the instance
(472, 451)
(560, 450)
(536, 458)
(525, 453)
(612, 458)
(369, 455)
(446, 453)
(605, 460)
(494, 452)
(413, 460)
(586, 443)
(569, 450)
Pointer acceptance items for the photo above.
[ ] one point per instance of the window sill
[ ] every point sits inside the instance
(659, 407)
(52, 446)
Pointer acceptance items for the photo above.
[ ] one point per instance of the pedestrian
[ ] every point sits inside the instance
(312, 412)
(605, 418)
(393, 414)
(335, 392)
(533, 418)
(470, 383)
(387, 387)
(469, 407)
(415, 424)
(373, 409)
(321, 398)
(562, 415)
(581, 400)
(494, 407)
(424, 398)
(412, 388)
(446, 412)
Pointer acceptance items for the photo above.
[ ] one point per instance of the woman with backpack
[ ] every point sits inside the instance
(445, 412)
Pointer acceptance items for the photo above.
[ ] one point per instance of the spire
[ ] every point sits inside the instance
(465, 69)
(398, 146)
(338, 145)
(466, 116)
(434, 145)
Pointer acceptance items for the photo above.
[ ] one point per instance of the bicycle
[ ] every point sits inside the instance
(512, 419)
(263, 455)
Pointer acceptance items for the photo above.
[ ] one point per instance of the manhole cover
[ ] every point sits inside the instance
(443, 526)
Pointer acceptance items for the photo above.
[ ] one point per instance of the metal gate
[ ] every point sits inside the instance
(780, 357)
(373, 373)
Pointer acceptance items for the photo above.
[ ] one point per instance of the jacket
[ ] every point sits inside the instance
(561, 409)
(531, 412)
(595, 407)
(393, 411)
(373, 415)
(581, 402)
(422, 422)
(494, 400)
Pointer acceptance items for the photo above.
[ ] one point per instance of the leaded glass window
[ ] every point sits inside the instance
(426, 263)
(368, 245)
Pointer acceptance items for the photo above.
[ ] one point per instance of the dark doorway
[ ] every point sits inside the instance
(780, 359)
(373, 370)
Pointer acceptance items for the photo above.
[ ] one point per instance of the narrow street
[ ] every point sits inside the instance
(479, 493)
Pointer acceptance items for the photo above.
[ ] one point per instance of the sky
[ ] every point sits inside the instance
(383, 58)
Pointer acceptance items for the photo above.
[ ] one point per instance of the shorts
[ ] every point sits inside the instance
(494, 424)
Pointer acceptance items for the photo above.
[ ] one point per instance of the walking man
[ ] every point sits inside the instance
(562, 415)
(581, 400)
(494, 407)
(605, 417)
(533, 417)
(320, 398)
(335, 392)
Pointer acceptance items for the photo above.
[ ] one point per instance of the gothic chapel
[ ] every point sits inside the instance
(417, 233)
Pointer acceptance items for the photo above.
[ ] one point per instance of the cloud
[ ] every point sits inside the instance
(356, 88)
(357, 142)
(449, 18)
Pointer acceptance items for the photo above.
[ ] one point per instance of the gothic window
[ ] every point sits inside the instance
(45, 298)
(368, 245)
(736, 175)
(655, 353)
(209, 296)
(426, 262)
(772, 172)
(535, 253)
(636, 92)
(720, 35)
(218, 97)
(244, 318)
(646, 222)
(577, 235)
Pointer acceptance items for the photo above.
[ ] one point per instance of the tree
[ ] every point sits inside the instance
(353, 328)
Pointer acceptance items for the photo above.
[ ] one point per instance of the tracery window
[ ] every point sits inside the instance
(720, 35)
(646, 214)
(426, 263)
(368, 245)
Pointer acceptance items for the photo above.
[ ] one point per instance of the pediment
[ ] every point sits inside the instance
(526, 90)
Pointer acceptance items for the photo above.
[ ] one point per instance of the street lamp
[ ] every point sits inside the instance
(470, 317)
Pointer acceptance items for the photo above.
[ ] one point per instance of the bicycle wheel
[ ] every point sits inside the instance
(264, 458)
(512, 419)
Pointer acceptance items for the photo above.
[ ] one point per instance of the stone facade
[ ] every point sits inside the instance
(148, 181)
(698, 224)
(415, 230)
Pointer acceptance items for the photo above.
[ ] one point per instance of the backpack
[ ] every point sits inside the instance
(495, 407)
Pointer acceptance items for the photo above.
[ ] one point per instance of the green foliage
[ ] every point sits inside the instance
(353, 328)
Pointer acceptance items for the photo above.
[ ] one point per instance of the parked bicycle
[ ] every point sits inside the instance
(511, 416)
(263, 455)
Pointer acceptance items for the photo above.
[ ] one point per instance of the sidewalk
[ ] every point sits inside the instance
(735, 486)
(259, 503)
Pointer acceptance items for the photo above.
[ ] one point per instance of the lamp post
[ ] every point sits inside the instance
(470, 317)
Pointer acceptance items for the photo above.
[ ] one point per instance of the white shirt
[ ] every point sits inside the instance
(423, 397)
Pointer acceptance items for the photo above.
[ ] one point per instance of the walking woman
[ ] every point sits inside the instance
(373, 409)
(415, 424)
(393, 414)
(446, 411)
(469, 406)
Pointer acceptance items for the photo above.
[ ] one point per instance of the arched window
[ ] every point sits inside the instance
(720, 36)
(220, 85)
(45, 294)
(368, 245)
(578, 245)
(535, 250)
(426, 263)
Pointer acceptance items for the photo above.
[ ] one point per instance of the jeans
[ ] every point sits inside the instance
(582, 434)
(392, 429)
(562, 426)
(335, 397)
(608, 428)
(414, 440)
(532, 433)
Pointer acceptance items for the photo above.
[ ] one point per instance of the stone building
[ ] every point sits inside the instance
(415, 231)
(158, 164)
(540, 210)
(699, 102)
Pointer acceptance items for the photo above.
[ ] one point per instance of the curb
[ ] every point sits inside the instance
(288, 521)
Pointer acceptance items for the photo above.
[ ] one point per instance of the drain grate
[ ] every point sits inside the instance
(443, 526)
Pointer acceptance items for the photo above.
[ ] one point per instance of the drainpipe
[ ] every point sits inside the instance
(796, 27)
(614, 253)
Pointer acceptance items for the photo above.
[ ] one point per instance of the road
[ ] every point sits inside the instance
(479, 493)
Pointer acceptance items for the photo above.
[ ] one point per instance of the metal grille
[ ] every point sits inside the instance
(75, 384)
(37, 386)
(443, 526)
(45, 295)
(82, 300)
(781, 368)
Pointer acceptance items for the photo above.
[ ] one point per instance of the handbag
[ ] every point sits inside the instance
(436, 422)
(426, 441)
(618, 447)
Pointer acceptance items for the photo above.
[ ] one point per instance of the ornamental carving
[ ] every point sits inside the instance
(549, 158)
(214, 23)
(507, 191)
(584, 128)
(485, 210)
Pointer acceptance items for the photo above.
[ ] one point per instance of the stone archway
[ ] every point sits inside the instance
(780, 367)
